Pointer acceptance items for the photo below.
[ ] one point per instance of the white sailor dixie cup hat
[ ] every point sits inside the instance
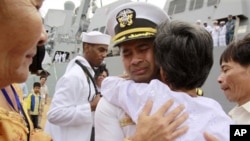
(134, 20)
(96, 37)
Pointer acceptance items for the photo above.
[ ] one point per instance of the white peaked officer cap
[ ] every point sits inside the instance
(96, 37)
(134, 20)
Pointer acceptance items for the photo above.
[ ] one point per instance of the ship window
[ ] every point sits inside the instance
(195, 4)
(95, 29)
(212, 2)
(102, 29)
(106, 32)
(176, 6)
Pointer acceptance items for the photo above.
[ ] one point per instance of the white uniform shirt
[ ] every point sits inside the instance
(70, 117)
(205, 114)
(215, 35)
(110, 123)
(44, 91)
(241, 114)
(208, 28)
(222, 36)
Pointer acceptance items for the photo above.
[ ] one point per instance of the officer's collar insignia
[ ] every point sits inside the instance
(125, 17)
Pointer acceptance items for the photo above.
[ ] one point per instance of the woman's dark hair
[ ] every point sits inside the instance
(185, 53)
(100, 70)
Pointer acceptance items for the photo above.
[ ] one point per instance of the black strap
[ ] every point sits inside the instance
(88, 73)
(27, 122)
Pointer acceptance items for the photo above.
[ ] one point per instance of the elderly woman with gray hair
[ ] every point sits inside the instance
(21, 32)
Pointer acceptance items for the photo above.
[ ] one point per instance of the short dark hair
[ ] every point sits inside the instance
(36, 84)
(102, 68)
(185, 53)
(43, 77)
(237, 51)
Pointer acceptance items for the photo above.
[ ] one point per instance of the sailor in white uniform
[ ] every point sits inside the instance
(70, 117)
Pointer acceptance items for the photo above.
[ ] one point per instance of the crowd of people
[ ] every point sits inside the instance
(61, 56)
(149, 104)
(221, 31)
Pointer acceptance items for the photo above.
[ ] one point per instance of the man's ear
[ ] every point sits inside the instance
(163, 76)
(87, 47)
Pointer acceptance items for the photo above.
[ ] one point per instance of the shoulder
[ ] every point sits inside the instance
(215, 115)
(209, 100)
(74, 73)
(210, 103)
(31, 94)
(74, 67)
(113, 79)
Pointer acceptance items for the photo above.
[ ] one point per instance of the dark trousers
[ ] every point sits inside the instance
(92, 138)
(229, 38)
(34, 119)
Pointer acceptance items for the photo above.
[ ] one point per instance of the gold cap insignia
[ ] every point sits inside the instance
(125, 17)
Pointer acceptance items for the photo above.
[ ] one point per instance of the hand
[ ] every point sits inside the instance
(160, 127)
(94, 102)
(209, 137)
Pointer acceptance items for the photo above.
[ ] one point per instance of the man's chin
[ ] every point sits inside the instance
(141, 79)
